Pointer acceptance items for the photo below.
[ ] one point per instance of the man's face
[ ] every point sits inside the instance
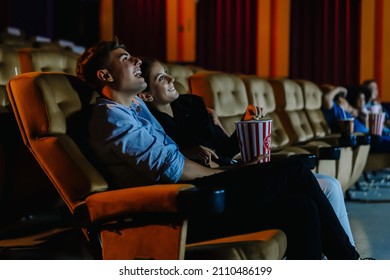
(126, 72)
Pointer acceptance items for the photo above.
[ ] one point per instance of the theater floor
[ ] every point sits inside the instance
(370, 223)
(368, 205)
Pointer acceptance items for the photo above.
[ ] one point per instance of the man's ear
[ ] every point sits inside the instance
(145, 96)
(104, 75)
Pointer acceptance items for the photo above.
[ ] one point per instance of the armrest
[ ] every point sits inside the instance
(364, 139)
(323, 151)
(309, 159)
(332, 153)
(348, 141)
(183, 199)
(354, 140)
(340, 140)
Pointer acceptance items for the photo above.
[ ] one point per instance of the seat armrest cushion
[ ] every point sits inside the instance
(310, 160)
(109, 205)
(322, 150)
(363, 139)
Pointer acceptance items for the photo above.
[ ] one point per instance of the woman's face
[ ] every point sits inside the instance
(161, 86)
(361, 101)
(374, 90)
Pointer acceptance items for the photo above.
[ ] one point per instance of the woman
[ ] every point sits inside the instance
(373, 102)
(187, 121)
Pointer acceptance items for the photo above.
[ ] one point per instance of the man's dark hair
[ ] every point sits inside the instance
(368, 82)
(146, 66)
(95, 58)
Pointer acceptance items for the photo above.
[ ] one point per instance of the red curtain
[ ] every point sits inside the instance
(141, 25)
(226, 35)
(324, 43)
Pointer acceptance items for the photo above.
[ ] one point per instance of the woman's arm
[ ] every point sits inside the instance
(216, 120)
(330, 93)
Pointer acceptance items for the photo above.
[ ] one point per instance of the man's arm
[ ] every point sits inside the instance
(193, 170)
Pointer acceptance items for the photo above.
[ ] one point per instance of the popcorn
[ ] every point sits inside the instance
(254, 137)
(376, 122)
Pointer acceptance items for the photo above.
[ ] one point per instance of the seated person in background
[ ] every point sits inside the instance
(135, 150)
(370, 87)
(356, 97)
(186, 120)
(336, 107)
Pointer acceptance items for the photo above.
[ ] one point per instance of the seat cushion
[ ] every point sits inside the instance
(262, 245)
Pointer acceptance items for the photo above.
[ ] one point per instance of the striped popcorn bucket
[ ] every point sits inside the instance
(376, 122)
(254, 137)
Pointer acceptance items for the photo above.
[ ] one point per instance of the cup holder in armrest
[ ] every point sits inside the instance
(348, 141)
(201, 201)
(309, 159)
(364, 139)
(332, 153)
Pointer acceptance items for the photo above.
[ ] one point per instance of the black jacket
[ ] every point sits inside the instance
(192, 125)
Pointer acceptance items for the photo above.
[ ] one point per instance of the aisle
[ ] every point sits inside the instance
(370, 223)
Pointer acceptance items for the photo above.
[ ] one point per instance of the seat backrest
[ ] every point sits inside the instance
(290, 109)
(47, 60)
(181, 74)
(51, 110)
(223, 92)
(9, 67)
(22, 180)
(14, 37)
(313, 106)
(260, 93)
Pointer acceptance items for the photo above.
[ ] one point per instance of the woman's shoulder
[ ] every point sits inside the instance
(190, 98)
(191, 102)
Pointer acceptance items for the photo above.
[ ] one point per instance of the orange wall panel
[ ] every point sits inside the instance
(385, 85)
(106, 20)
(263, 37)
(273, 38)
(181, 30)
(375, 43)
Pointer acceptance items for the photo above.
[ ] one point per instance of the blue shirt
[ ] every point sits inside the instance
(337, 113)
(131, 146)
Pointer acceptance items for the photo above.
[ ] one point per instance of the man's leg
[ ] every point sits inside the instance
(333, 191)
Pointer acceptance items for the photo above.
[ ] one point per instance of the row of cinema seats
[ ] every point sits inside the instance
(45, 105)
(18, 38)
(298, 124)
(20, 176)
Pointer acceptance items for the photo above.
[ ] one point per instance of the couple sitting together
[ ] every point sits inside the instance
(143, 132)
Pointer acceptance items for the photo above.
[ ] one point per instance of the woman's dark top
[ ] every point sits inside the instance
(192, 125)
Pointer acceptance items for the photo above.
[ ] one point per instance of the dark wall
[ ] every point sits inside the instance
(4, 13)
(76, 20)
(141, 25)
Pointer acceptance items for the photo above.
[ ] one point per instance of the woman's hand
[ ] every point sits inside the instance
(201, 154)
(253, 112)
